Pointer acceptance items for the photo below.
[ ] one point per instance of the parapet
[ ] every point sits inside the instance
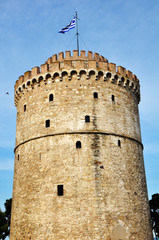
(65, 62)
(67, 56)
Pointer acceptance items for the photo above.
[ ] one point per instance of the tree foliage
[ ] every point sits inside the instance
(5, 219)
(154, 208)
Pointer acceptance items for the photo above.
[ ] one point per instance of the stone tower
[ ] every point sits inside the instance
(79, 170)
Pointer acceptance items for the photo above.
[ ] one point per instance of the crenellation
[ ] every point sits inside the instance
(96, 57)
(83, 54)
(112, 67)
(54, 58)
(44, 68)
(75, 54)
(19, 81)
(21, 78)
(59, 64)
(27, 75)
(90, 55)
(35, 71)
(136, 79)
(67, 55)
(60, 56)
(101, 58)
(49, 61)
(121, 70)
(129, 74)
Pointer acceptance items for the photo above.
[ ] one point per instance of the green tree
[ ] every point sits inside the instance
(8, 206)
(154, 208)
(5, 219)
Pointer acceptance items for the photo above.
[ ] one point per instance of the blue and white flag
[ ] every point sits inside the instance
(69, 26)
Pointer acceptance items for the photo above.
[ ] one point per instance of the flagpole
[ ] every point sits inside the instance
(77, 34)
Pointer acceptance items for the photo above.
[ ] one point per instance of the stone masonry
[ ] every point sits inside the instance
(79, 170)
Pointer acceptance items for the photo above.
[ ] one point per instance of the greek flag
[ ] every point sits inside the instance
(69, 26)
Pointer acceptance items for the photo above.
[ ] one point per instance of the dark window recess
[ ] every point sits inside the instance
(78, 144)
(113, 98)
(18, 157)
(119, 143)
(87, 118)
(47, 123)
(59, 190)
(95, 94)
(24, 108)
(51, 97)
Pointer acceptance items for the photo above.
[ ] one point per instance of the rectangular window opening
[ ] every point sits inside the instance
(59, 190)
(47, 123)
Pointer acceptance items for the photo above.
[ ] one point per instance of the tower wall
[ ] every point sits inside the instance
(104, 184)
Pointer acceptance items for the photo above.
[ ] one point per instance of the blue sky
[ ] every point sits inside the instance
(125, 32)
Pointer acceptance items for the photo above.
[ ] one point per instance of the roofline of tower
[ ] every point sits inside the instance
(44, 68)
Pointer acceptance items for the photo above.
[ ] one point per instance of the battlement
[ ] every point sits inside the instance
(67, 56)
(65, 64)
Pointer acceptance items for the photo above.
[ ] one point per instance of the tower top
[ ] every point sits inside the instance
(65, 62)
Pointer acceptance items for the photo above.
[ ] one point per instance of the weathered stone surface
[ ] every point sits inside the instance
(105, 195)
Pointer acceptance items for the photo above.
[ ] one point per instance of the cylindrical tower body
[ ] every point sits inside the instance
(79, 170)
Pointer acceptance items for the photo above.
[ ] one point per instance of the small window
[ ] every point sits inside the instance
(47, 123)
(78, 144)
(24, 108)
(113, 98)
(51, 97)
(95, 94)
(59, 190)
(87, 118)
(119, 143)
(18, 157)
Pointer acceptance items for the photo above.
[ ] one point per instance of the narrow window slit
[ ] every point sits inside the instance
(47, 123)
(51, 98)
(59, 190)
(25, 108)
(119, 143)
